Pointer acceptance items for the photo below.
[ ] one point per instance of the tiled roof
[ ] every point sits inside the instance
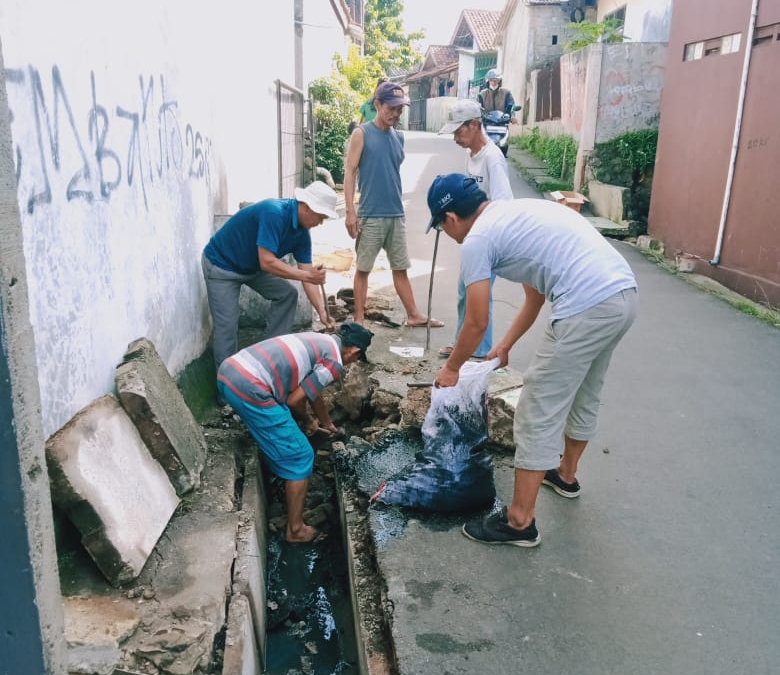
(483, 24)
(442, 55)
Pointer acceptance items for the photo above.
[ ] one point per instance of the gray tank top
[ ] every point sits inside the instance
(379, 174)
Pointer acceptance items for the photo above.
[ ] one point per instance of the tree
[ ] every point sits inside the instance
(385, 41)
(335, 104)
(361, 72)
(587, 33)
(387, 51)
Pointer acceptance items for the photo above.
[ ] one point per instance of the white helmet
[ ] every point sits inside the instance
(493, 74)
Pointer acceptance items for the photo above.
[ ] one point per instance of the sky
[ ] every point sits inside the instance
(439, 18)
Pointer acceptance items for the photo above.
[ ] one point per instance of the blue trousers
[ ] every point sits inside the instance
(487, 341)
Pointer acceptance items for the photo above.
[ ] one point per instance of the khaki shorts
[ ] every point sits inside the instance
(377, 234)
(562, 386)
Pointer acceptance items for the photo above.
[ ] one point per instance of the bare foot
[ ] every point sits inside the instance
(305, 535)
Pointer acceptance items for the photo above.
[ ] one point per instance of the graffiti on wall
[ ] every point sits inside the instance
(633, 94)
(134, 145)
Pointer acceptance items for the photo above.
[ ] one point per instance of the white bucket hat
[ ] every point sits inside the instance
(319, 198)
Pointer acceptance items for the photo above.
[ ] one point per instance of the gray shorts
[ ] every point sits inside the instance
(562, 387)
(382, 233)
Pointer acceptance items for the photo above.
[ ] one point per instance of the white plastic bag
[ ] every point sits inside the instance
(453, 472)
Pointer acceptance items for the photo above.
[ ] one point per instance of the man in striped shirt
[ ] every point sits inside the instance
(270, 381)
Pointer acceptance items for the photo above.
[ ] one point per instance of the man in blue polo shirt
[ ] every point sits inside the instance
(249, 248)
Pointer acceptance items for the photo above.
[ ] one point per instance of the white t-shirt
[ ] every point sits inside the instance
(488, 167)
(548, 246)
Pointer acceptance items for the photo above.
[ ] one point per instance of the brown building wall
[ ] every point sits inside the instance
(698, 116)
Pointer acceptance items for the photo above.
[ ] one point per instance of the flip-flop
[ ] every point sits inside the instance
(435, 323)
(445, 353)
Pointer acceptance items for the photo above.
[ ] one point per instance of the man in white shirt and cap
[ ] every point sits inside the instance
(486, 164)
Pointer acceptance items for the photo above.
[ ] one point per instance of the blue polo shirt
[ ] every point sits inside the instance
(272, 224)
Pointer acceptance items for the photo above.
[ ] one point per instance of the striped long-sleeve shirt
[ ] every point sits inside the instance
(266, 373)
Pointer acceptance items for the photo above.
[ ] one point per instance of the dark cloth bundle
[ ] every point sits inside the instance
(453, 472)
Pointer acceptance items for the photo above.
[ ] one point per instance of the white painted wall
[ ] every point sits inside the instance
(465, 74)
(323, 36)
(437, 112)
(132, 125)
(646, 20)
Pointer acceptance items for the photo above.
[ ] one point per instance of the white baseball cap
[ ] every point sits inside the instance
(319, 197)
(463, 111)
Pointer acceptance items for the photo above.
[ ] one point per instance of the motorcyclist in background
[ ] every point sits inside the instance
(496, 97)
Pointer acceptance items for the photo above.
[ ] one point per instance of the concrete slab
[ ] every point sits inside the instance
(608, 227)
(180, 598)
(249, 572)
(241, 654)
(149, 395)
(104, 477)
(95, 628)
(189, 577)
(609, 201)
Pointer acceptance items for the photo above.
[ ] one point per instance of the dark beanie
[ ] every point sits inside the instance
(355, 335)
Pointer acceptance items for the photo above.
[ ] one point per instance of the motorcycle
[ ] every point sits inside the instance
(496, 125)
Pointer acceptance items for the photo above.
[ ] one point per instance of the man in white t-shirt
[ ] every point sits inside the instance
(558, 256)
(486, 164)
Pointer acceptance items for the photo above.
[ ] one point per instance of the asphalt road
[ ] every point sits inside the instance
(668, 562)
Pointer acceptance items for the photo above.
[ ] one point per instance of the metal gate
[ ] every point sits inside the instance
(295, 122)
(418, 114)
(548, 92)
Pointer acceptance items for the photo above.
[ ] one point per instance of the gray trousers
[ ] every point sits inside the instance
(223, 289)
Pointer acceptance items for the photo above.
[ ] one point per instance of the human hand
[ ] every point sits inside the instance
(446, 377)
(329, 322)
(317, 276)
(353, 224)
(501, 352)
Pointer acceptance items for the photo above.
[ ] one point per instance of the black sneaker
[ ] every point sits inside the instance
(568, 490)
(494, 529)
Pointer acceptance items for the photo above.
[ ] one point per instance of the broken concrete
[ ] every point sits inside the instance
(241, 650)
(95, 628)
(171, 620)
(249, 571)
(353, 393)
(149, 395)
(104, 477)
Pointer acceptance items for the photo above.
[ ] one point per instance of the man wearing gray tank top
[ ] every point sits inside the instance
(374, 158)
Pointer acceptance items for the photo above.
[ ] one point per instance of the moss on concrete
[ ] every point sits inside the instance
(198, 385)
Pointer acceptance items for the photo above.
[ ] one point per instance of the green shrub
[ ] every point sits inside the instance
(335, 105)
(558, 152)
(628, 160)
(625, 158)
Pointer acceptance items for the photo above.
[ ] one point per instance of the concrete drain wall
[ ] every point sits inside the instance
(200, 605)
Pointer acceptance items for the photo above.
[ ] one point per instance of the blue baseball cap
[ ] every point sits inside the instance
(451, 191)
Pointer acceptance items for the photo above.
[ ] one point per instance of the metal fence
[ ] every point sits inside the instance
(295, 122)
(418, 114)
